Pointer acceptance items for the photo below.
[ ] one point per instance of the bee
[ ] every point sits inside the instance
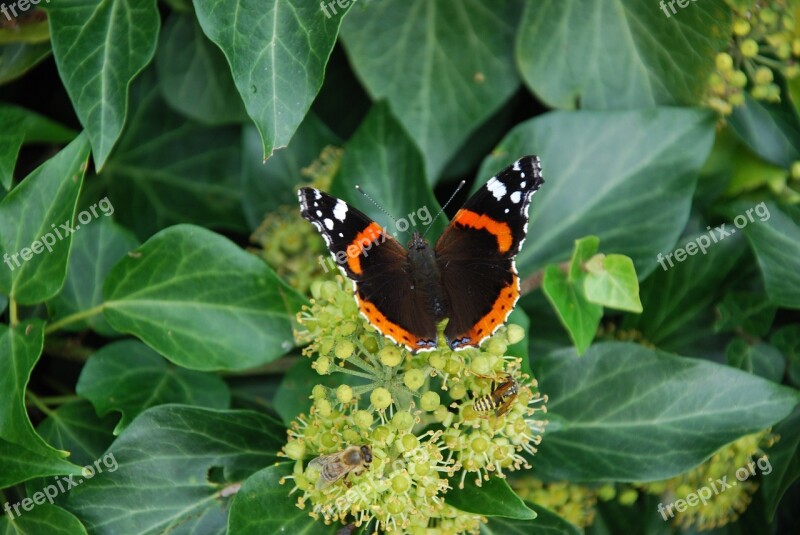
(337, 465)
(500, 399)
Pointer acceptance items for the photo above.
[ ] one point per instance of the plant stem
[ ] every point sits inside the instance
(72, 318)
(12, 310)
(33, 398)
(59, 400)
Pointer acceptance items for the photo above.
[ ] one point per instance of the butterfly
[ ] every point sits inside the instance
(468, 276)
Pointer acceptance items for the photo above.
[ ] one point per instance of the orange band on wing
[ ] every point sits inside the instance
(498, 229)
(392, 330)
(364, 238)
(497, 316)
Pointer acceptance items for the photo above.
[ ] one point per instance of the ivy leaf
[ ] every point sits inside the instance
(611, 281)
(263, 505)
(784, 459)
(563, 51)
(18, 58)
(760, 359)
(24, 126)
(202, 302)
(277, 53)
(545, 523)
(580, 317)
(129, 377)
(787, 340)
(95, 250)
(199, 454)
(23, 453)
(461, 49)
(637, 205)
(43, 518)
(378, 157)
(614, 414)
(31, 219)
(169, 170)
(771, 130)
(751, 312)
(99, 48)
(492, 498)
(193, 75)
(76, 428)
(775, 239)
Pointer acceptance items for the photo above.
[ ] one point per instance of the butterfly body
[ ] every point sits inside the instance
(468, 276)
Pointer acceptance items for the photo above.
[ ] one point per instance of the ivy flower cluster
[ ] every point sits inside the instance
(765, 43)
(416, 415)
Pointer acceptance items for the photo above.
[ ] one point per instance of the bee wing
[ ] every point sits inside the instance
(330, 469)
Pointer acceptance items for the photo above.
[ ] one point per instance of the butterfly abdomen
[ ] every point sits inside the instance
(426, 277)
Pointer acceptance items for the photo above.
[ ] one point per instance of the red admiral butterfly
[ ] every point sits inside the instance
(468, 276)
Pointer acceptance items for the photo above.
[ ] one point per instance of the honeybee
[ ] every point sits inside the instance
(500, 399)
(337, 465)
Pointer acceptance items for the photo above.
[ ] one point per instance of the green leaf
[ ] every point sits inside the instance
(263, 505)
(787, 340)
(492, 498)
(585, 248)
(378, 157)
(592, 55)
(521, 349)
(95, 250)
(268, 185)
(99, 48)
(18, 58)
(622, 412)
(202, 302)
(611, 282)
(277, 53)
(577, 315)
(129, 377)
(169, 170)
(751, 312)
(545, 523)
(637, 204)
(44, 518)
(23, 453)
(179, 448)
(771, 130)
(678, 299)
(445, 67)
(784, 460)
(774, 236)
(76, 428)
(760, 359)
(193, 75)
(31, 216)
(21, 126)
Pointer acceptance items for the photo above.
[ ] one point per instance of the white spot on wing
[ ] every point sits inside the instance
(319, 213)
(340, 210)
(497, 188)
(317, 194)
(523, 182)
(516, 197)
(328, 223)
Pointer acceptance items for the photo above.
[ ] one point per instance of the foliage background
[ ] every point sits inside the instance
(155, 335)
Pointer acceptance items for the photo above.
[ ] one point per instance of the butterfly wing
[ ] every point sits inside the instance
(377, 264)
(476, 253)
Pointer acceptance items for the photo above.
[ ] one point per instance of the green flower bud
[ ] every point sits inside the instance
(749, 48)
(322, 365)
(323, 407)
(480, 365)
(295, 450)
(390, 356)
(479, 444)
(738, 79)
(429, 401)
(409, 442)
(606, 492)
(437, 360)
(319, 392)
(724, 61)
(514, 333)
(414, 379)
(344, 349)
(741, 27)
(796, 170)
(363, 419)
(629, 496)
(403, 421)
(401, 483)
(344, 393)
(496, 347)
(458, 391)
(763, 75)
(380, 398)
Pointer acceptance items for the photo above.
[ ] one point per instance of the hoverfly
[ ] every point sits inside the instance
(499, 400)
(337, 465)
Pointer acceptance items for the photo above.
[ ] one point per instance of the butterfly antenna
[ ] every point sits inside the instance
(373, 201)
(430, 225)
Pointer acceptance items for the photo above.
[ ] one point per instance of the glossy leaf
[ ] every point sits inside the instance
(176, 447)
(493, 498)
(23, 453)
(43, 518)
(99, 48)
(76, 428)
(277, 53)
(593, 55)
(760, 359)
(202, 302)
(580, 317)
(95, 250)
(611, 282)
(378, 157)
(445, 66)
(545, 523)
(771, 130)
(751, 312)
(36, 222)
(614, 413)
(610, 174)
(18, 58)
(128, 377)
(784, 459)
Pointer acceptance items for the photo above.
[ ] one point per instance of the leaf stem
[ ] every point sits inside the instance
(72, 318)
(12, 311)
(38, 403)
(59, 400)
